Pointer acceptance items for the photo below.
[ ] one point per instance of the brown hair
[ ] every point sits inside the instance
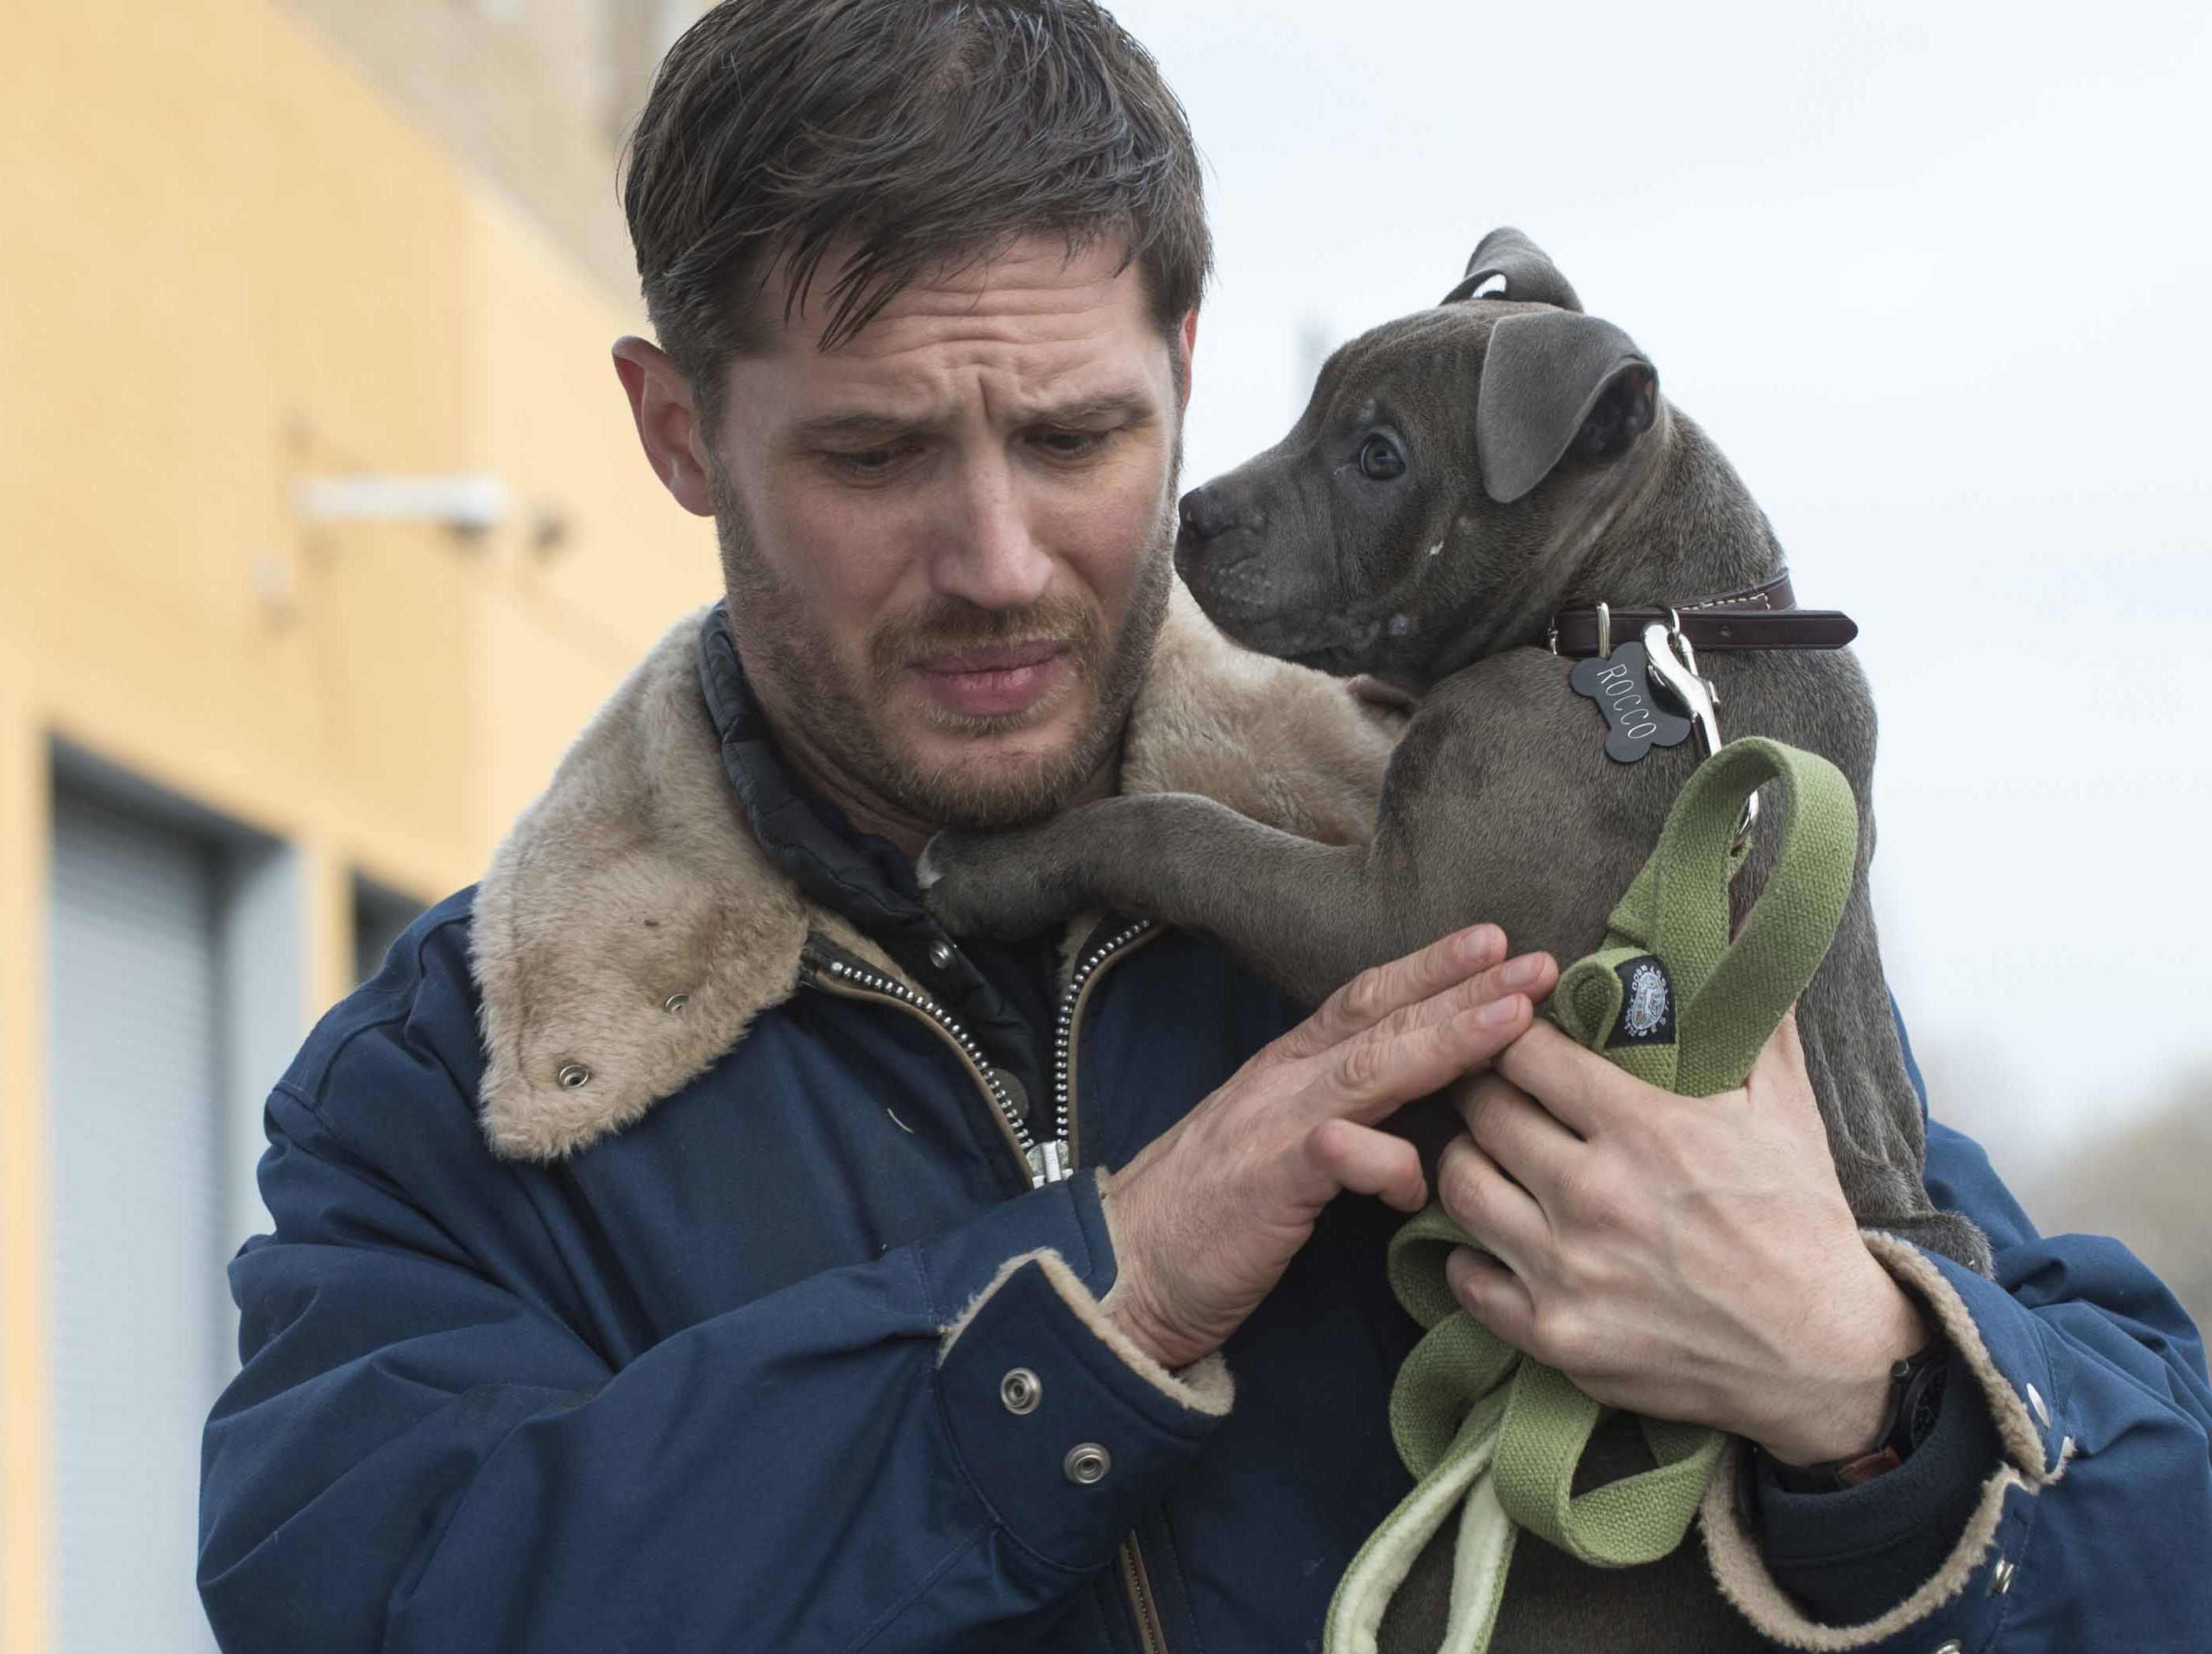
(918, 133)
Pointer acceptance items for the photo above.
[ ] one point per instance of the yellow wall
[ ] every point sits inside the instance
(226, 264)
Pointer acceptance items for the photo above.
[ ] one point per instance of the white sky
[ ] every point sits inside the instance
(1939, 280)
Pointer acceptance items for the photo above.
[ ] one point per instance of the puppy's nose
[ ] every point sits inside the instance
(1205, 516)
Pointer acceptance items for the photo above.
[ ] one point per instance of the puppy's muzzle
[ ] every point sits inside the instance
(1207, 515)
(1218, 554)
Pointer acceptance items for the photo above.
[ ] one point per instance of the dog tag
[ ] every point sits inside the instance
(1620, 683)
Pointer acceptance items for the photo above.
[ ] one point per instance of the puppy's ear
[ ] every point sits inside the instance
(1509, 265)
(1552, 380)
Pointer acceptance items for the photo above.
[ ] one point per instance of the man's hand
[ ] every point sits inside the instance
(1208, 1216)
(1685, 1258)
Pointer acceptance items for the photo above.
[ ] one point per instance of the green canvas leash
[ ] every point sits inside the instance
(1489, 1435)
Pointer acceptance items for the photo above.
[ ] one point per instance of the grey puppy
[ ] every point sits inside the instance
(1461, 477)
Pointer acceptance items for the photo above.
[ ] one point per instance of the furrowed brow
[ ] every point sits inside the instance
(860, 426)
(1096, 410)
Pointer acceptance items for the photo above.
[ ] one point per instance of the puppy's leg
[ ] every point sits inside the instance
(1867, 1101)
(1304, 916)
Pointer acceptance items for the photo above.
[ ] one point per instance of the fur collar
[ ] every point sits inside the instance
(629, 929)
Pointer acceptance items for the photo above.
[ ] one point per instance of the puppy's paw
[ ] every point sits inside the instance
(991, 885)
(1957, 1237)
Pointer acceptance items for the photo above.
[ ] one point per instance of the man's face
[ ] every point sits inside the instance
(947, 543)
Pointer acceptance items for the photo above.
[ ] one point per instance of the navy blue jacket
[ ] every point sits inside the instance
(655, 1238)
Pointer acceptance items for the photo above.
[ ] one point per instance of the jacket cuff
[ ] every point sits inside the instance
(1066, 1429)
(1842, 1552)
(1961, 1597)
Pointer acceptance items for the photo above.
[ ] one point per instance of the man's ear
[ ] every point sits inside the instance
(1188, 336)
(667, 421)
(1553, 381)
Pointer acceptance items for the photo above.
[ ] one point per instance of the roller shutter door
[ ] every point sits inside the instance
(139, 1308)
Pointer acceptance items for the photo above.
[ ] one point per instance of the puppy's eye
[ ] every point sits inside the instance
(1380, 460)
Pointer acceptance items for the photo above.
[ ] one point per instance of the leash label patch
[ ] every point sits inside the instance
(1620, 683)
(1647, 1004)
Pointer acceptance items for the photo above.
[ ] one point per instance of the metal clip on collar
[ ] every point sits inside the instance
(1674, 665)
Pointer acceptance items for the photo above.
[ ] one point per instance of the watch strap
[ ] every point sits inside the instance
(1916, 1394)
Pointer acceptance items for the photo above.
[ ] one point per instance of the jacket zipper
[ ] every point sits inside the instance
(1051, 1162)
(1144, 1611)
(1065, 1140)
(1150, 1634)
(858, 981)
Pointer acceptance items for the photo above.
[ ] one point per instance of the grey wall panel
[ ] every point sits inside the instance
(380, 918)
(260, 930)
(139, 1317)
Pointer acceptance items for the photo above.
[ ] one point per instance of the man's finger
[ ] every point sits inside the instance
(1490, 1207)
(1368, 1162)
(1493, 1295)
(1373, 994)
(1531, 976)
(1779, 1074)
(1525, 1139)
(1365, 1079)
(1579, 1088)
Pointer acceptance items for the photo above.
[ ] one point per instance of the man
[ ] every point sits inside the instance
(682, 1245)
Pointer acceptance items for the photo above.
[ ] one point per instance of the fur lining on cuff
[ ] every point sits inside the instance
(2016, 1430)
(1741, 1573)
(1204, 1386)
(1733, 1551)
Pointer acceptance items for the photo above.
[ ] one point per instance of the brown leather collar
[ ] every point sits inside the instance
(1762, 616)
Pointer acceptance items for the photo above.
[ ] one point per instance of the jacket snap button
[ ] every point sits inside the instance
(2000, 1576)
(940, 953)
(675, 1003)
(1021, 1390)
(1089, 1464)
(1952, 1647)
(573, 1075)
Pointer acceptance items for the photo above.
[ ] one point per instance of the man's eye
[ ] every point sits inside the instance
(1380, 460)
(1072, 445)
(865, 463)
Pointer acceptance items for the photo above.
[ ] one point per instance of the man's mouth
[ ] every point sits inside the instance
(1000, 681)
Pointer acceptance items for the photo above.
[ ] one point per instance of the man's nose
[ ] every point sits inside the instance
(992, 557)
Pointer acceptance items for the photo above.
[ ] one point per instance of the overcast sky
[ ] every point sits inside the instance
(1939, 280)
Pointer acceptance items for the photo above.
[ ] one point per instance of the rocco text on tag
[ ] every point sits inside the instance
(1620, 683)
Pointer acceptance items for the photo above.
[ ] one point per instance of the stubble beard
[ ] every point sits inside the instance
(819, 704)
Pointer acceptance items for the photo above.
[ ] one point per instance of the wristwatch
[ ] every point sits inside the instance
(1916, 1397)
